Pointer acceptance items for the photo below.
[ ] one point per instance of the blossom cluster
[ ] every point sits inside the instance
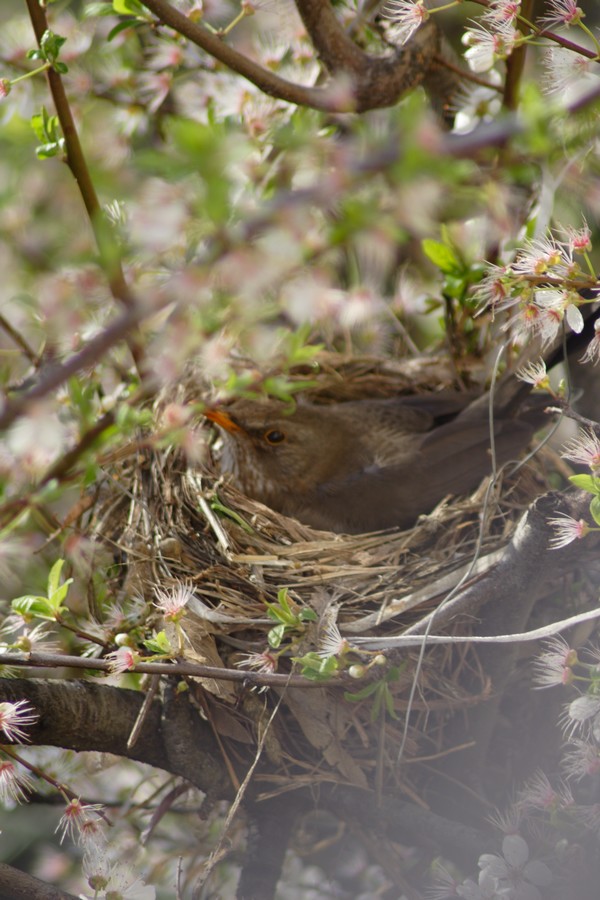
(540, 289)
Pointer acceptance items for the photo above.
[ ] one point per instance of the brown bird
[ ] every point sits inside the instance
(366, 465)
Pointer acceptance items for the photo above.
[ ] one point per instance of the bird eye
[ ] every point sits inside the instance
(274, 436)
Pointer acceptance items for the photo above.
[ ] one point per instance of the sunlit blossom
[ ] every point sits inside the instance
(15, 717)
(122, 883)
(485, 46)
(122, 660)
(592, 353)
(566, 530)
(331, 642)
(540, 255)
(265, 662)
(554, 665)
(405, 16)
(566, 70)
(581, 713)
(584, 449)
(563, 12)
(15, 783)
(500, 12)
(534, 373)
(172, 601)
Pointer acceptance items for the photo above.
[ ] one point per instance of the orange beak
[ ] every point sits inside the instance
(223, 419)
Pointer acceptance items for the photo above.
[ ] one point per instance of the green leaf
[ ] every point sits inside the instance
(595, 509)
(586, 483)
(307, 615)
(122, 26)
(129, 8)
(54, 576)
(38, 607)
(231, 514)
(159, 644)
(363, 694)
(276, 635)
(50, 45)
(442, 256)
(46, 151)
(37, 123)
(317, 668)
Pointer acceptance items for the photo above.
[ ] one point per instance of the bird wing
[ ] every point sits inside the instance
(452, 459)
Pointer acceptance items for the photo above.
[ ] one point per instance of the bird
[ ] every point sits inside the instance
(370, 464)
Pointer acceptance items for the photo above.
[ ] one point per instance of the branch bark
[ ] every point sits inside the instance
(17, 885)
(77, 715)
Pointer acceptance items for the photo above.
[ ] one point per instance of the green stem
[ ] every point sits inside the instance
(33, 72)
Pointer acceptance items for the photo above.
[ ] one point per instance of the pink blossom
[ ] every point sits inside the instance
(555, 665)
(584, 449)
(14, 784)
(592, 353)
(122, 660)
(567, 530)
(173, 600)
(563, 12)
(405, 16)
(81, 822)
(14, 717)
(534, 373)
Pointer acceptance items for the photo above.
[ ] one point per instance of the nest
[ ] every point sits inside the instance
(168, 521)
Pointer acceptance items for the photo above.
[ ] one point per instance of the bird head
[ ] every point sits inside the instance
(273, 450)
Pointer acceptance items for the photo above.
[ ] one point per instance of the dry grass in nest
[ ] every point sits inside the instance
(159, 513)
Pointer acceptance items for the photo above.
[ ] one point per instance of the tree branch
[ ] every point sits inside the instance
(77, 715)
(17, 885)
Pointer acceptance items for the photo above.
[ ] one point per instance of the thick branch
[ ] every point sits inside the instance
(80, 716)
(17, 885)
(377, 81)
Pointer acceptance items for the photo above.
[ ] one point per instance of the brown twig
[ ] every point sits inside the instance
(75, 158)
(20, 341)
(177, 669)
(57, 374)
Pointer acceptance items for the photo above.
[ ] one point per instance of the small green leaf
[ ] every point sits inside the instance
(307, 615)
(317, 668)
(595, 509)
(54, 576)
(37, 607)
(276, 636)
(586, 483)
(231, 514)
(122, 26)
(363, 694)
(50, 45)
(159, 644)
(129, 8)
(442, 256)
